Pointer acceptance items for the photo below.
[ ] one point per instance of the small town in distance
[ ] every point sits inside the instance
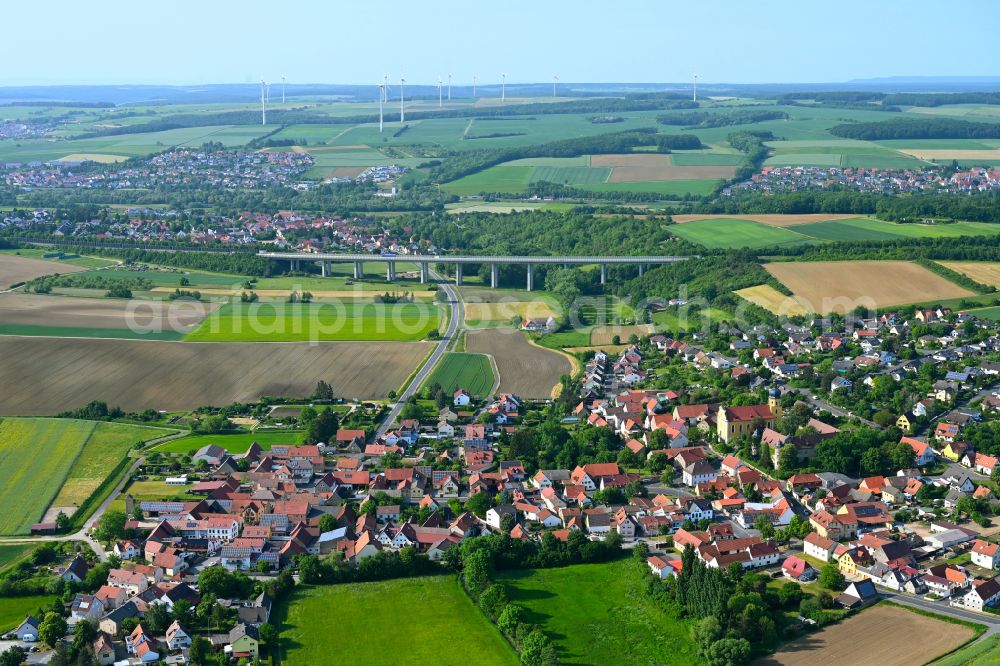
(620, 346)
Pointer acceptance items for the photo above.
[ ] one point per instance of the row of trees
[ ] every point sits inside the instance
(706, 119)
(907, 128)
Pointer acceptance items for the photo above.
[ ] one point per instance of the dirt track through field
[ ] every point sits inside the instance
(883, 635)
(116, 313)
(42, 376)
(14, 269)
(525, 370)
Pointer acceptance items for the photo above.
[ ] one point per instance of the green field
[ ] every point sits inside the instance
(572, 175)
(984, 651)
(105, 448)
(39, 455)
(234, 443)
(600, 614)
(728, 233)
(298, 322)
(506, 179)
(11, 553)
(85, 332)
(670, 320)
(424, 621)
(471, 372)
(13, 610)
(863, 228)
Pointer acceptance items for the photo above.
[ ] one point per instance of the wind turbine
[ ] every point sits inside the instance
(694, 89)
(381, 94)
(385, 88)
(439, 93)
(263, 103)
(473, 86)
(401, 82)
(555, 79)
(503, 87)
(449, 87)
(282, 90)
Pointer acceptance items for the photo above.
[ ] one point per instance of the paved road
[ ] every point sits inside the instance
(942, 607)
(457, 317)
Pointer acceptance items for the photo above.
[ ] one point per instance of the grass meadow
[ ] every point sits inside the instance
(234, 443)
(13, 610)
(727, 233)
(600, 614)
(424, 621)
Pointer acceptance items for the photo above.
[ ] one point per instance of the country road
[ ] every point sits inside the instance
(454, 325)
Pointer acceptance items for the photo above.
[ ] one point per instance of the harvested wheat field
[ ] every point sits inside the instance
(983, 272)
(604, 335)
(525, 369)
(638, 167)
(39, 310)
(15, 269)
(841, 286)
(50, 375)
(884, 635)
(770, 220)
(346, 172)
(771, 299)
(505, 311)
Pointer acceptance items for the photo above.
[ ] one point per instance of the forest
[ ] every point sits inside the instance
(905, 128)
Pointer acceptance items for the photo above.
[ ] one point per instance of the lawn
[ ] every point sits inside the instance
(423, 620)
(673, 321)
(105, 448)
(14, 609)
(287, 322)
(725, 233)
(471, 372)
(600, 614)
(234, 443)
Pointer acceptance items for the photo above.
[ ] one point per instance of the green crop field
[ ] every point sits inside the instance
(424, 620)
(11, 553)
(105, 448)
(672, 321)
(991, 313)
(234, 443)
(38, 456)
(298, 322)
(13, 610)
(699, 187)
(85, 332)
(471, 372)
(579, 175)
(979, 653)
(864, 228)
(600, 614)
(507, 179)
(730, 233)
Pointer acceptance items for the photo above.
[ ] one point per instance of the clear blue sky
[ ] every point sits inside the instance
(350, 41)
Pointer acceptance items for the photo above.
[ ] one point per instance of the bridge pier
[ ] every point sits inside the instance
(390, 271)
(458, 275)
(359, 270)
(531, 277)
(494, 276)
(425, 272)
(324, 267)
(295, 265)
(642, 268)
(604, 273)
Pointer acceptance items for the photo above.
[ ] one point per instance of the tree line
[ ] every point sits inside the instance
(706, 119)
(912, 128)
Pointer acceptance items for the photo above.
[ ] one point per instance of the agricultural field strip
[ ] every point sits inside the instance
(73, 371)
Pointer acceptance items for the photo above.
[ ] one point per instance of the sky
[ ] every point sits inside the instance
(356, 42)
